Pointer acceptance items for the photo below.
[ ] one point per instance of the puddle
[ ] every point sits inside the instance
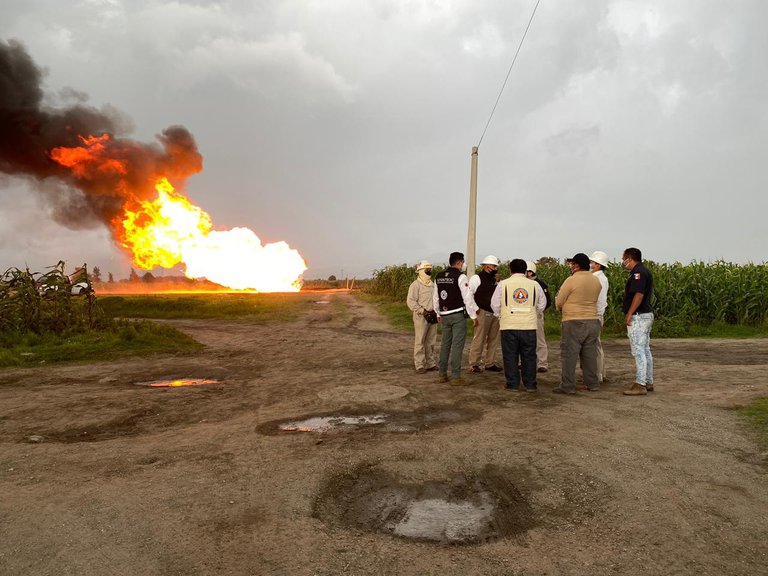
(465, 510)
(395, 422)
(328, 423)
(322, 301)
(177, 383)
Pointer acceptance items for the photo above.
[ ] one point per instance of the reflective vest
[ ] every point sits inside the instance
(448, 291)
(518, 304)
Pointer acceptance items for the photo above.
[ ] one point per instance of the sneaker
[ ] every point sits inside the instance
(475, 369)
(421, 370)
(542, 369)
(431, 368)
(494, 368)
(636, 390)
(442, 378)
(583, 388)
(531, 389)
(512, 388)
(649, 387)
(459, 382)
(558, 390)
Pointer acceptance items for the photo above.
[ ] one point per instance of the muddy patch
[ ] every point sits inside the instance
(468, 509)
(362, 393)
(350, 422)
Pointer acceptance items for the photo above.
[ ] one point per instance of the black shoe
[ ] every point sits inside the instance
(494, 368)
(558, 390)
(475, 369)
(541, 370)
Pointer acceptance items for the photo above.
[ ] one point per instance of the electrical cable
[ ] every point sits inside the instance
(508, 73)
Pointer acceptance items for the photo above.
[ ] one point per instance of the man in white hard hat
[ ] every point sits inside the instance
(542, 352)
(485, 342)
(598, 262)
(420, 302)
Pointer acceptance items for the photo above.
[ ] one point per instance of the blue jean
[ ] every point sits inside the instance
(519, 347)
(454, 334)
(639, 333)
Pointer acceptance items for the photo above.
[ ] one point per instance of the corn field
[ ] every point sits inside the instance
(37, 303)
(696, 294)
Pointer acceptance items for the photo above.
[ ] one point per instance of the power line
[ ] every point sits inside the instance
(508, 73)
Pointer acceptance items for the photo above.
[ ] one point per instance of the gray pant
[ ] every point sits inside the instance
(579, 338)
(454, 334)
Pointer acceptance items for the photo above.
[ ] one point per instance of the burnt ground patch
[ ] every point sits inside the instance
(128, 412)
(471, 508)
(372, 421)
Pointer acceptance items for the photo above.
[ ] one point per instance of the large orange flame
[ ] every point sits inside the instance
(169, 230)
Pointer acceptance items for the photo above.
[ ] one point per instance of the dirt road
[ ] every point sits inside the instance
(101, 476)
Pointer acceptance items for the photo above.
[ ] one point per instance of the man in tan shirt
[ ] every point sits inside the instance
(577, 301)
(419, 301)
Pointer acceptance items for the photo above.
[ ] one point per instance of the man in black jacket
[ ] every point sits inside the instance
(452, 300)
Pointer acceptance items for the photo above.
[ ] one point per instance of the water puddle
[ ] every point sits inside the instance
(469, 509)
(328, 423)
(177, 383)
(395, 422)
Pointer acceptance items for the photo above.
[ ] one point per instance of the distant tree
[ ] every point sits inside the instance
(148, 277)
(547, 261)
(110, 278)
(95, 274)
(331, 278)
(133, 277)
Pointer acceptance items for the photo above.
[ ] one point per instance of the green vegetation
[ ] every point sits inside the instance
(756, 414)
(694, 300)
(42, 320)
(122, 338)
(254, 307)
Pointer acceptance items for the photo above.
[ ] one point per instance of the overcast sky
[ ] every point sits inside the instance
(345, 127)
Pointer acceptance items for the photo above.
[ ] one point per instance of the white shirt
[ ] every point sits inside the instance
(541, 298)
(466, 295)
(602, 300)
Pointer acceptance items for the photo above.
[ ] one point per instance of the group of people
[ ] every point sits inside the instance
(511, 311)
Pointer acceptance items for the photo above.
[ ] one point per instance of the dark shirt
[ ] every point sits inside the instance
(545, 288)
(485, 290)
(448, 291)
(640, 280)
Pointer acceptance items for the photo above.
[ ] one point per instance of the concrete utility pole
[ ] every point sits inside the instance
(471, 229)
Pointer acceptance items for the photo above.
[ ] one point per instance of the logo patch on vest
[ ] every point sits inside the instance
(520, 295)
(443, 294)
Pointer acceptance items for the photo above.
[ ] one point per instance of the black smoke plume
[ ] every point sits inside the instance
(30, 131)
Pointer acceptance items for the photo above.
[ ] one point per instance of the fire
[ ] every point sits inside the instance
(168, 230)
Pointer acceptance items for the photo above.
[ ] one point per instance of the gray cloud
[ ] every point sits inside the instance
(345, 127)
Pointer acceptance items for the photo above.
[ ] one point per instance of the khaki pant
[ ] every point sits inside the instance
(485, 342)
(425, 344)
(542, 352)
(600, 356)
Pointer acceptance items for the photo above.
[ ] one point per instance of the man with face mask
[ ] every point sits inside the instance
(420, 301)
(485, 341)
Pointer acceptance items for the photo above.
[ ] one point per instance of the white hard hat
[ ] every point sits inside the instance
(423, 264)
(530, 266)
(490, 260)
(599, 257)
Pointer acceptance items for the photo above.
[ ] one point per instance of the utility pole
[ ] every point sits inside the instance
(471, 229)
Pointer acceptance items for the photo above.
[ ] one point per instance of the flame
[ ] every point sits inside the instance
(169, 230)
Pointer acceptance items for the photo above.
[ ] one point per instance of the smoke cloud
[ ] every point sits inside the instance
(97, 191)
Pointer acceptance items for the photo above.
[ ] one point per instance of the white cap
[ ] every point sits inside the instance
(530, 266)
(599, 257)
(423, 264)
(490, 260)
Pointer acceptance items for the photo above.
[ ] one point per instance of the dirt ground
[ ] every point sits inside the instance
(101, 476)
